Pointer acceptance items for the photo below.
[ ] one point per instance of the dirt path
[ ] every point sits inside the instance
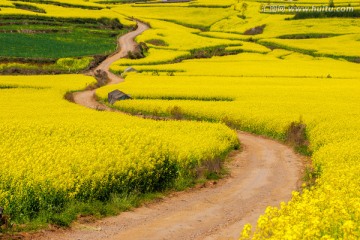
(263, 174)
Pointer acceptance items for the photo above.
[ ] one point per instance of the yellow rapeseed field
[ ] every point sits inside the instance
(55, 151)
(345, 45)
(294, 71)
(277, 63)
(180, 37)
(265, 102)
(154, 56)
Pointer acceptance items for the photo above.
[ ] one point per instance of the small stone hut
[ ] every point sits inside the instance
(117, 95)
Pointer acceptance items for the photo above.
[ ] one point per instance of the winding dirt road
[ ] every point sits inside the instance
(263, 174)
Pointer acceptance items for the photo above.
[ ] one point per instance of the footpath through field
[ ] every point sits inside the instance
(126, 43)
(263, 174)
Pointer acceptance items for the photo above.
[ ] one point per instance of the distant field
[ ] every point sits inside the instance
(42, 38)
(73, 44)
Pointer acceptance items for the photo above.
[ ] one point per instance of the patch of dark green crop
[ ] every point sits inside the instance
(46, 37)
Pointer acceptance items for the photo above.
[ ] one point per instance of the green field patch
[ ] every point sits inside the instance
(121, 1)
(10, 86)
(157, 42)
(29, 7)
(28, 66)
(56, 45)
(97, 23)
(194, 98)
(61, 4)
(210, 52)
(308, 35)
(45, 37)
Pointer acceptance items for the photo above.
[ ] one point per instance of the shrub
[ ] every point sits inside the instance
(157, 42)
(74, 64)
(176, 112)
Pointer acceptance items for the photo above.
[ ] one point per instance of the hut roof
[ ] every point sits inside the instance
(117, 95)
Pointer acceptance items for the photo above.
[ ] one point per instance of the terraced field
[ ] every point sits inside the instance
(215, 65)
